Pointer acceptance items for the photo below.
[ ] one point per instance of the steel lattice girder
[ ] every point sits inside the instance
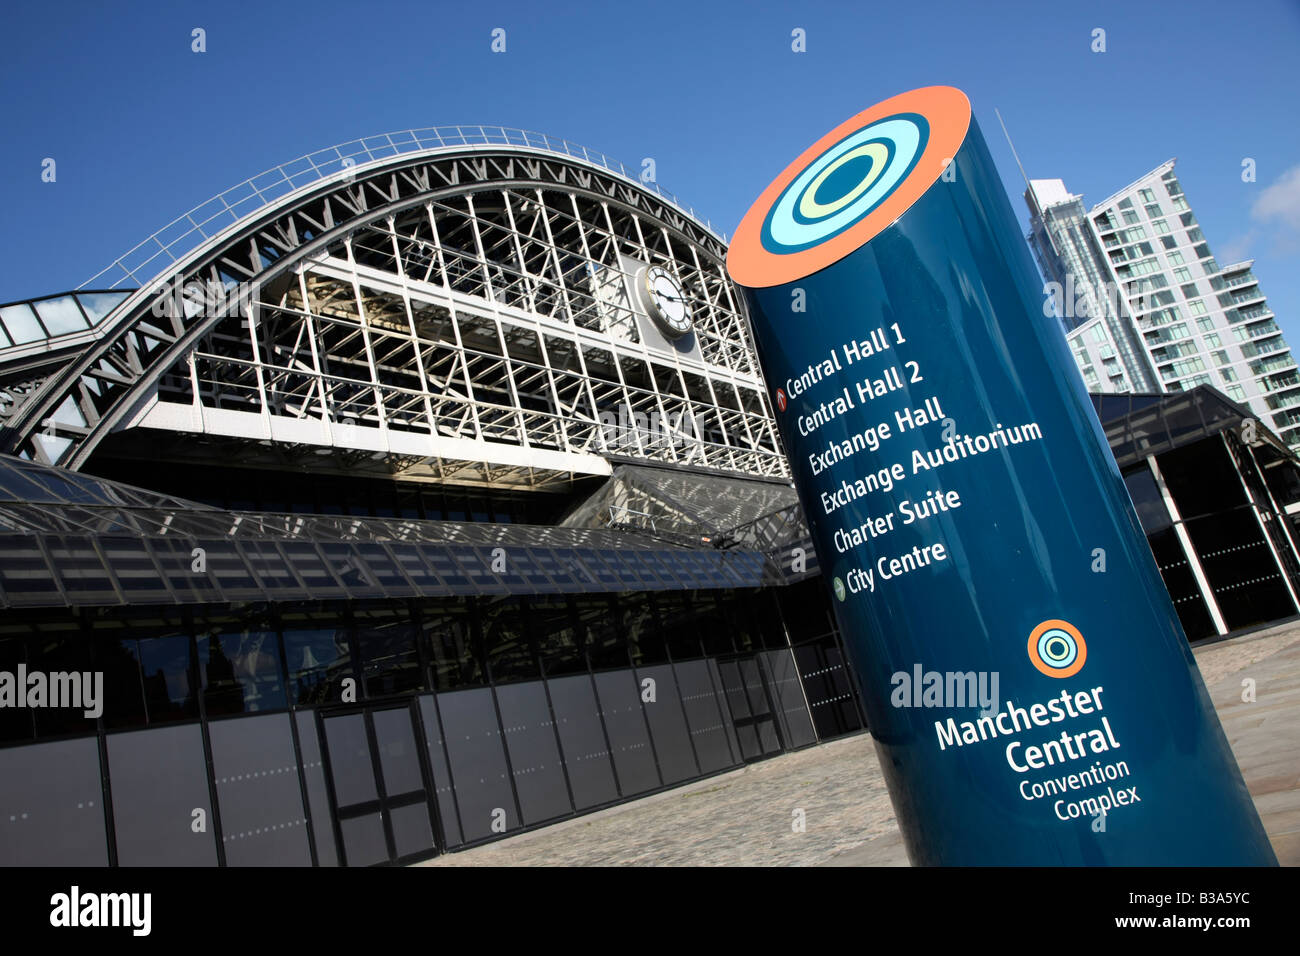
(79, 404)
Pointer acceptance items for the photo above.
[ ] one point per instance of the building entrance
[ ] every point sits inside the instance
(749, 695)
(378, 779)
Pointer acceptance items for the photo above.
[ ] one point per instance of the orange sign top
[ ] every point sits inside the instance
(850, 185)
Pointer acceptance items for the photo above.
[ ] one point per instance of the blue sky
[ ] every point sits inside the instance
(142, 129)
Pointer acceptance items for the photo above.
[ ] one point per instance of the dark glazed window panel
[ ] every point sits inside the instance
(52, 806)
(351, 768)
(534, 757)
(262, 817)
(364, 843)
(454, 655)
(318, 662)
(586, 754)
(119, 660)
(447, 813)
(679, 625)
(764, 618)
(240, 672)
(826, 682)
(509, 652)
(1180, 582)
(667, 724)
(714, 625)
(1234, 553)
(411, 830)
(734, 689)
(559, 642)
(1148, 501)
(169, 679)
(66, 653)
(704, 715)
(16, 723)
(805, 608)
(478, 763)
(605, 642)
(620, 702)
(313, 773)
(398, 758)
(783, 680)
(641, 625)
(159, 779)
(389, 661)
(727, 723)
(1202, 479)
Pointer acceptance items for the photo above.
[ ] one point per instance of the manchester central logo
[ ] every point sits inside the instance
(1057, 649)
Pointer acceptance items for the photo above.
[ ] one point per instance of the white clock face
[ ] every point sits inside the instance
(666, 301)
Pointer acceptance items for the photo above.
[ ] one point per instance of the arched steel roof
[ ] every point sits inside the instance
(168, 246)
(257, 231)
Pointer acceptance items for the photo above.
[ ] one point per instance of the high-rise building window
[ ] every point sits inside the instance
(1212, 340)
(1153, 210)
(1227, 374)
(1197, 307)
(1237, 393)
(1189, 290)
(1175, 258)
(1148, 195)
(1130, 218)
(1183, 274)
(1161, 227)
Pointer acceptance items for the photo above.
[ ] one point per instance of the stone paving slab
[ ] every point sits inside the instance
(744, 817)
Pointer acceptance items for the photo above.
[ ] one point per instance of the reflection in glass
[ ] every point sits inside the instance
(454, 657)
(641, 625)
(389, 662)
(558, 641)
(509, 652)
(605, 642)
(240, 672)
(169, 684)
(318, 662)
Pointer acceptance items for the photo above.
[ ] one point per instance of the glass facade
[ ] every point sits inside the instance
(360, 733)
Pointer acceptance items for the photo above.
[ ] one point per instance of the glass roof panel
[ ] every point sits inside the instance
(61, 315)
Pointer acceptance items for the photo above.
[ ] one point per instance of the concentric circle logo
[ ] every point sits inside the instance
(1057, 649)
(845, 183)
(850, 185)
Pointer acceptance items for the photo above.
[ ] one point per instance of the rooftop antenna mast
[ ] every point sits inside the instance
(1028, 185)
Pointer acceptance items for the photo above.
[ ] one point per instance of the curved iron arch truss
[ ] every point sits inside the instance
(461, 314)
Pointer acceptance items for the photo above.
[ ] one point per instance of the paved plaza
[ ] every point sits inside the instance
(743, 818)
